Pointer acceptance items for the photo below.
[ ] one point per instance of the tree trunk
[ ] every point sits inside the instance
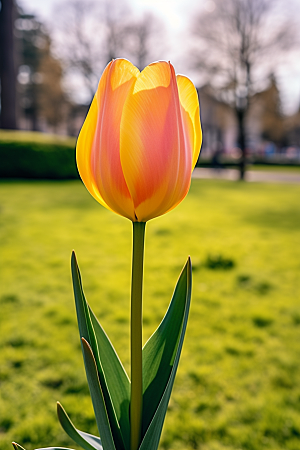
(8, 117)
(241, 113)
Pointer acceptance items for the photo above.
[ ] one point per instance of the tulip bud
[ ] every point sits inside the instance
(141, 140)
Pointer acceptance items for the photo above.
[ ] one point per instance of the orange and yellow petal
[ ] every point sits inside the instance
(84, 150)
(190, 110)
(114, 87)
(152, 144)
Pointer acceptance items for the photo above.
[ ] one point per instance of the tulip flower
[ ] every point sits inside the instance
(141, 139)
(135, 154)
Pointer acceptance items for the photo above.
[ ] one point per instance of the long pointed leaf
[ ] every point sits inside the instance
(97, 398)
(158, 358)
(85, 440)
(18, 447)
(116, 377)
(113, 387)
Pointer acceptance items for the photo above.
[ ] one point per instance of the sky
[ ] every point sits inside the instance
(173, 11)
(176, 15)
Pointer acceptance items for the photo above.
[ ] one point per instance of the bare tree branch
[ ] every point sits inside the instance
(89, 34)
(237, 45)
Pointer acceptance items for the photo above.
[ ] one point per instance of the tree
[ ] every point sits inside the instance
(237, 45)
(39, 75)
(144, 37)
(52, 99)
(8, 117)
(272, 120)
(89, 34)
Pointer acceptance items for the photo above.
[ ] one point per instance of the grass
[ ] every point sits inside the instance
(238, 384)
(274, 168)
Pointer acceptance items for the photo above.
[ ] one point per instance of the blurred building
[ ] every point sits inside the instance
(268, 131)
(218, 122)
(292, 127)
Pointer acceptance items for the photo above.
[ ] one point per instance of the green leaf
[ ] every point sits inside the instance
(118, 383)
(97, 397)
(161, 355)
(114, 382)
(86, 440)
(18, 447)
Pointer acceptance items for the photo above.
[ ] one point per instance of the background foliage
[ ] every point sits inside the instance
(238, 384)
(37, 155)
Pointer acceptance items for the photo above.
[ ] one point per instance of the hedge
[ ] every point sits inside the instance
(36, 156)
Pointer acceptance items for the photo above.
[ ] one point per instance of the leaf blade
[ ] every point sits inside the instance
(18, 447)
(97, 398)
(116, 377)
(100, 344)
(182, 295)
(85, 440)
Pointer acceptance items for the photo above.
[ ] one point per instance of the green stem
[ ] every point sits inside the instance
(136, 402)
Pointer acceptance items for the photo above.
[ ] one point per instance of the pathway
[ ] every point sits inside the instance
(262, 176)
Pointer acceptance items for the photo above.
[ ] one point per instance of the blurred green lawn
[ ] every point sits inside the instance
(274, 168)
(238, 384)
